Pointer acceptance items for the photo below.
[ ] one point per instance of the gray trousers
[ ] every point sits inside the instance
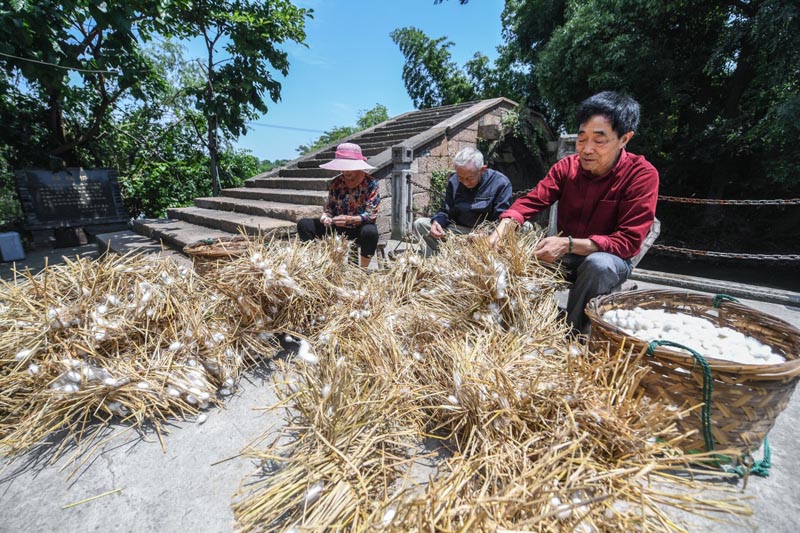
(422, 230)
(592, 275)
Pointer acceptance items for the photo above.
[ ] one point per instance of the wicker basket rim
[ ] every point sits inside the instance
(787, 369)
(219, 248)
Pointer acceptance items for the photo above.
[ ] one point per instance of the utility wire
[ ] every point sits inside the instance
(93, 71)
(283, 127)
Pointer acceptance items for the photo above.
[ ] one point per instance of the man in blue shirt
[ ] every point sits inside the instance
(474, 194)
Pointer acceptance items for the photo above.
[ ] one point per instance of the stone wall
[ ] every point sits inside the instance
(433, 157)
(439, 156)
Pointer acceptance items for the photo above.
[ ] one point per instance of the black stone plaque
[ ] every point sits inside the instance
(71, 197)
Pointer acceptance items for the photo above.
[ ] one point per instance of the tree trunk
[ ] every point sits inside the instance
(726, 169)
(212, 122)
(212, 154)
(56, 123)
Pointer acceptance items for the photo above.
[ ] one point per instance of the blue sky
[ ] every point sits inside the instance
(351, 64)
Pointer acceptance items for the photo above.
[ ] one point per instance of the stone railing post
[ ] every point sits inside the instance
(402, 191)
(566, 145)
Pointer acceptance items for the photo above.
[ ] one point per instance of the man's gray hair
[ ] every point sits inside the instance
(469, 157)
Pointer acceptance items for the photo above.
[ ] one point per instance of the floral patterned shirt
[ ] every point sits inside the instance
(362, 200)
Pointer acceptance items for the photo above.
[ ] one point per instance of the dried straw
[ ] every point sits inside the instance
(466, 347)
(132, 338)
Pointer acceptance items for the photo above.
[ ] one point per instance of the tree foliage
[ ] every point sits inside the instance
(100, 84)
(718, 81)
(431, 77)
(83, 54)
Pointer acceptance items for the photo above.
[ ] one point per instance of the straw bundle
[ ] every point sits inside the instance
(289, 285)
(465, 346)
(133, 338)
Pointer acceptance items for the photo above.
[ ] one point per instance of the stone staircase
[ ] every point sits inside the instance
(273, 202)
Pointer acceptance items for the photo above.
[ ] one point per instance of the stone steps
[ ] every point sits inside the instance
(232, 222)
(369, 152)
(307, 172)
(176, 233)
(261, 208)
(294, 182)
(288, 196)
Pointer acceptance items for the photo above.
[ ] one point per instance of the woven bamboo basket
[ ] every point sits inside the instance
(745, 400)
(207, 254)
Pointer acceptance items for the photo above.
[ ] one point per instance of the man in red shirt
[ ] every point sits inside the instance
(606, 203)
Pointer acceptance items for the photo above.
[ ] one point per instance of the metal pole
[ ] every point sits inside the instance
(402, 191)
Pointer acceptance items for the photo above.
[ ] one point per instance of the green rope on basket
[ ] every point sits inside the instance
(717, 300)
(708, 387)
(758, 468)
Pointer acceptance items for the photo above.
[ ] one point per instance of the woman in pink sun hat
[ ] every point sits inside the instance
(353, 202)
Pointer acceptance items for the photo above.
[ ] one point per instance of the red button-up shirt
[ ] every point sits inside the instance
(615, 211)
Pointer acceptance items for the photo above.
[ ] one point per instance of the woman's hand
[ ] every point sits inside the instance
(326, 220)
(346, 220)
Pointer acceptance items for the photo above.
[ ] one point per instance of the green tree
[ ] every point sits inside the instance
(718, 83)
(241, 38)
(80, 54)
(431, 77)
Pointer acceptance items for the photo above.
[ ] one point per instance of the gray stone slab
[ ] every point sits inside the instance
(176, 233)
(231, 222)
(286, 196)
(282, 211)
(307, 184)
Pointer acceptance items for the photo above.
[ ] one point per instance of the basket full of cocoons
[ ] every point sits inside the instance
(750, 360)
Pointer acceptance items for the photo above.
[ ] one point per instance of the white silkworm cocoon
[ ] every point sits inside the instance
(149, 313)
(326, 391)
(452, 399)
(202, 418)
(73, 376)
(175, 346)
(143, 385)
(102, 309)
(313, 493)
(191, 399)
(225, 391)
(694, 332)
(388, 516)
(110, 382)
(22, 354)
(33, 369)
(305, 353)
(172, 391)
(457, 379)
(288, 338)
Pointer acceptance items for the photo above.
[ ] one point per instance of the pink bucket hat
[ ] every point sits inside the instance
(348, 157)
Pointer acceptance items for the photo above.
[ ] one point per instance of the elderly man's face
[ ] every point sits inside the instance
(599, 146)
(469, 177)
